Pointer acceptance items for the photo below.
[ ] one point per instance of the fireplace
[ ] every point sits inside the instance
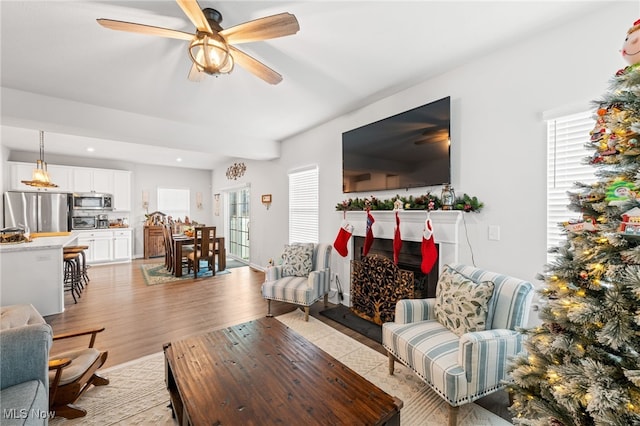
(409, 259)
(446, 235)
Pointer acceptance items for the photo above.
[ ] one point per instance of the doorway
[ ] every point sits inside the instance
(238, 207)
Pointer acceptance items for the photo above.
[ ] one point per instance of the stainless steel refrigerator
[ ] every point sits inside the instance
(40, 211)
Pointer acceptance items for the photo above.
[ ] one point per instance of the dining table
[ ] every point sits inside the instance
(180, 240)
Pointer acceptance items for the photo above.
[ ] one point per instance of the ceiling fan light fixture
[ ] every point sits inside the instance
(210, 54)
(40, 177)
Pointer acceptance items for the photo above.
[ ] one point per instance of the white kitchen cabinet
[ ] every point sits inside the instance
(106, 246)
(100, 245)
(122, 245)
(82, 179)
(103, 181)
(20, 172)
(60, 175)
(92, 180)
(121, 191)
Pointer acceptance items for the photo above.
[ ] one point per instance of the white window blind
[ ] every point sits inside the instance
(174, 202)
(566, 139)
(303, 206)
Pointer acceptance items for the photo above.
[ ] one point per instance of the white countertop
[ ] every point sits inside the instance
(40, 243)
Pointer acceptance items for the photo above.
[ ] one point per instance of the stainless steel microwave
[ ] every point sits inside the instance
(92, 201)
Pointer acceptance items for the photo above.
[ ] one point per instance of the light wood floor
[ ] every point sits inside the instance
(139, 319)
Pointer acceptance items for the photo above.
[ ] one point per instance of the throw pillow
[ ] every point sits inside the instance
(462, 304)
(297, 260)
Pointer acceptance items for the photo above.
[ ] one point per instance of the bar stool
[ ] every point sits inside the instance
(72, 274)
(83, 266)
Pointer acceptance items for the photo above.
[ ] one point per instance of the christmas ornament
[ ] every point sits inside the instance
(342, 239)
(620, 191)
(631, 45)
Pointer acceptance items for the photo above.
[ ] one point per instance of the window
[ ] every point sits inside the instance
(174, 202)
(239, 217)
(303, 206)
(566, 139)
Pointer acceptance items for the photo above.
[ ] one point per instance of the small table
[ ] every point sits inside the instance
(262, 372)
(184, 240)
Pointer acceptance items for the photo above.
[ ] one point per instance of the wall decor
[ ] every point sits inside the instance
(236, 170)
(145, 200)
(266, 200)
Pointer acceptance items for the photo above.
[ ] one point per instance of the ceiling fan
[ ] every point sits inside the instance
(211, 47)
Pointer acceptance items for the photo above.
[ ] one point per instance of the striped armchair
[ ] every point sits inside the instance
(300, 290)
(461, 368)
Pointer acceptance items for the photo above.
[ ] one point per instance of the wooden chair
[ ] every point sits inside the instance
(186, 249)
(71, 373)
(204, 238)
(169, 248)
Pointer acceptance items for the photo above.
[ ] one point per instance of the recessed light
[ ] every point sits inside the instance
(178, 159)
(90, 149)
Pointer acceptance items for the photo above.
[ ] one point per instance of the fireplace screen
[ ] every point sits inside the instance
(376, 285)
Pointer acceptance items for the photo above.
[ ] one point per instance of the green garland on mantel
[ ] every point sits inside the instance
(421, 202)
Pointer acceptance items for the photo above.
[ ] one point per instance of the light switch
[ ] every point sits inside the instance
(494, 232)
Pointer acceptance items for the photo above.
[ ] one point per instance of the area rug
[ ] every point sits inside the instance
(343, 315)
(156, 273)
(136, 394)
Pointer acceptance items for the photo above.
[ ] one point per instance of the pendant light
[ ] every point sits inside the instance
(40, 177)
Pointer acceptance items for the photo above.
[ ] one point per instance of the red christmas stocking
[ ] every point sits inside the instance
(340, 244)
(428, 249)
(397, 240)
(368, 238)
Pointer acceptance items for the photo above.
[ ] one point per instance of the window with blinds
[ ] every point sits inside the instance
(174, 202)
(566, 139)
(303, 206)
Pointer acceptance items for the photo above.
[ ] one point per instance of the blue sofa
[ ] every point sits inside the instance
(25, 341)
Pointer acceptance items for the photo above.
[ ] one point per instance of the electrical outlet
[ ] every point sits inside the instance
(494, 232)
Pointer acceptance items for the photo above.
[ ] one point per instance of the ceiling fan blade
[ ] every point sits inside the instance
(255, 67)
(280, 25)
(143, 29)
(192, 9)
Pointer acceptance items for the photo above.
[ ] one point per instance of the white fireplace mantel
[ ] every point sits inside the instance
(412, 223)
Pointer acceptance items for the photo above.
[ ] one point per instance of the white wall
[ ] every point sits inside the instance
(498, 142)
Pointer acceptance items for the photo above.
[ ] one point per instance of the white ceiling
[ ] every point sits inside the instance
(127, 95)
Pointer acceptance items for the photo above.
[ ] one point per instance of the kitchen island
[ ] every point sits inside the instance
(33, 272)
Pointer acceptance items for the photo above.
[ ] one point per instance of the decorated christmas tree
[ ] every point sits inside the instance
(583, 362)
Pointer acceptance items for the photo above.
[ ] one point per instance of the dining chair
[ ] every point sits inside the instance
(204, 237)
(186, 250)
(168, 248)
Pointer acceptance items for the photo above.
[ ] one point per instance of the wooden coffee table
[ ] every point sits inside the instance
(262, 373)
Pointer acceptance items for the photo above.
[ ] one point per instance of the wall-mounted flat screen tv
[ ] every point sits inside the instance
(407, 150)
